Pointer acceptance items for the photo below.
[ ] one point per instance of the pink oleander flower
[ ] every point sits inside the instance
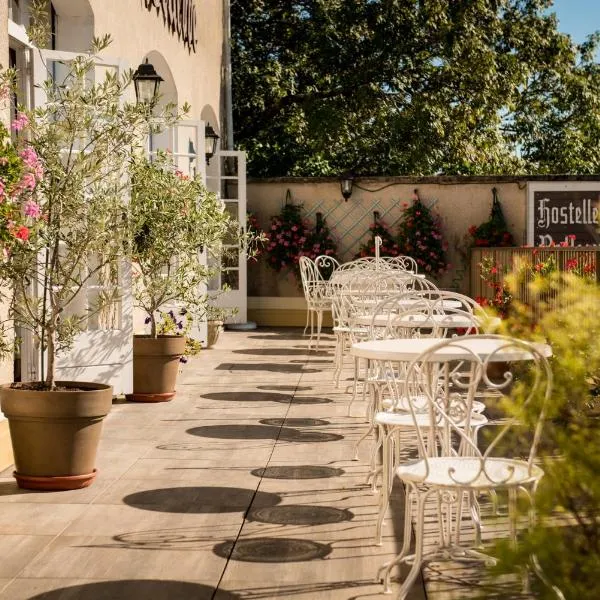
(20, 122)
(32, 209)
(28, 181)
(29, 156)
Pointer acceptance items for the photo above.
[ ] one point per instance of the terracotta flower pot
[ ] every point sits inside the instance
(214, 329)
(155, 367)
(55, 434)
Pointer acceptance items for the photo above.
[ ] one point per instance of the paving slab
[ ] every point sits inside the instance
(244, 487)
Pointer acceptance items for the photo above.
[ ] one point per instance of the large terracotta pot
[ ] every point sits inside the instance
(55, 434)
(155, 367)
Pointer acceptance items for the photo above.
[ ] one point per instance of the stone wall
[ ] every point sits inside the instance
(459, 201)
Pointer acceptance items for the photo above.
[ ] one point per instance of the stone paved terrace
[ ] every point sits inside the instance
(243, 487)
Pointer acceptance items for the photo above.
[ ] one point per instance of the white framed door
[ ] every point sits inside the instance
(226, 176)
(104, 351)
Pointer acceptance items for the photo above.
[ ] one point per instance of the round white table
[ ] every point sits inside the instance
(407, 350)
(418, 320)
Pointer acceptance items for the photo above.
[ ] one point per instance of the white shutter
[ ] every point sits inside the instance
(104, 352)
(226, 175)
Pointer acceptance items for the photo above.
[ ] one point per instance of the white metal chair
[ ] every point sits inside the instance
(451, 468)
(316, 296)
(355, 298)
(426, 313)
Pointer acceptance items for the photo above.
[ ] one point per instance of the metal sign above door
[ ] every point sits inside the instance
(179, 16)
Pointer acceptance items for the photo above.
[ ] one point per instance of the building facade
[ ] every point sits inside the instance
(183, 39)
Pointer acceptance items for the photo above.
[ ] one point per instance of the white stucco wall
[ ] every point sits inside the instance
(136, 32)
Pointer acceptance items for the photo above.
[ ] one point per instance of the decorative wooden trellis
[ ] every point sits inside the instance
(349, 221)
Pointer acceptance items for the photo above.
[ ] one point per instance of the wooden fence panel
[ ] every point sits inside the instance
(510, 260)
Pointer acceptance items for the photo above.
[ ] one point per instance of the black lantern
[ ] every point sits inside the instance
(147, 82)
(346, 183)
(210, 142)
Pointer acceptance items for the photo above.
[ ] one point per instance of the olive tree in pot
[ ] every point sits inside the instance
(69, 189)
(173, 218)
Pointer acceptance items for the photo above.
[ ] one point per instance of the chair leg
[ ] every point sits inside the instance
(374, 469)
(416, 566)
(307, 319)
(356, 373)
(512, 515)
(362, 438)
(476, 516)
(340, 358)
(319, 323)
(385, 492)
(418, 556)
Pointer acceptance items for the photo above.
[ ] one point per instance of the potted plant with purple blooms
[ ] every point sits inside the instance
(173, 218)
(63, 229)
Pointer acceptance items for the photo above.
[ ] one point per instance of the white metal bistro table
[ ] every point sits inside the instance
(449, 321)
(408, 349)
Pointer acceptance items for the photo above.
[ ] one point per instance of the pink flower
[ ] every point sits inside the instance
(29, 156)
(27, 182)
(32, 209)
(20, 122)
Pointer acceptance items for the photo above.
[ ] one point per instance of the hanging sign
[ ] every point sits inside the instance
(564, 211)
(179, 16)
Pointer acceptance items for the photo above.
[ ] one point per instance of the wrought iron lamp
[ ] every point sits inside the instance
(147, 83)
(210, 142)
(346, 183)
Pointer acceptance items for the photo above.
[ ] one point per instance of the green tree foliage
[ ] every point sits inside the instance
(566, 541)
(412, 87)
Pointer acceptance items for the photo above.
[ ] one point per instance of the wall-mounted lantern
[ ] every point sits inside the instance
(210, 142)
(346, 183)
(147, 83)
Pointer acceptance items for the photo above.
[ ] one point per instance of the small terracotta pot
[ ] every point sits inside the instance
(214, 329)
(55, 434)
(155, 367)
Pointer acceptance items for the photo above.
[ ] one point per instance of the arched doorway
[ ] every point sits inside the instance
(164, 140)
(72, 25)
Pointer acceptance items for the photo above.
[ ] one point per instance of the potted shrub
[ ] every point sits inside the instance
(173, 218)
(215, 319)
(62, 228)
